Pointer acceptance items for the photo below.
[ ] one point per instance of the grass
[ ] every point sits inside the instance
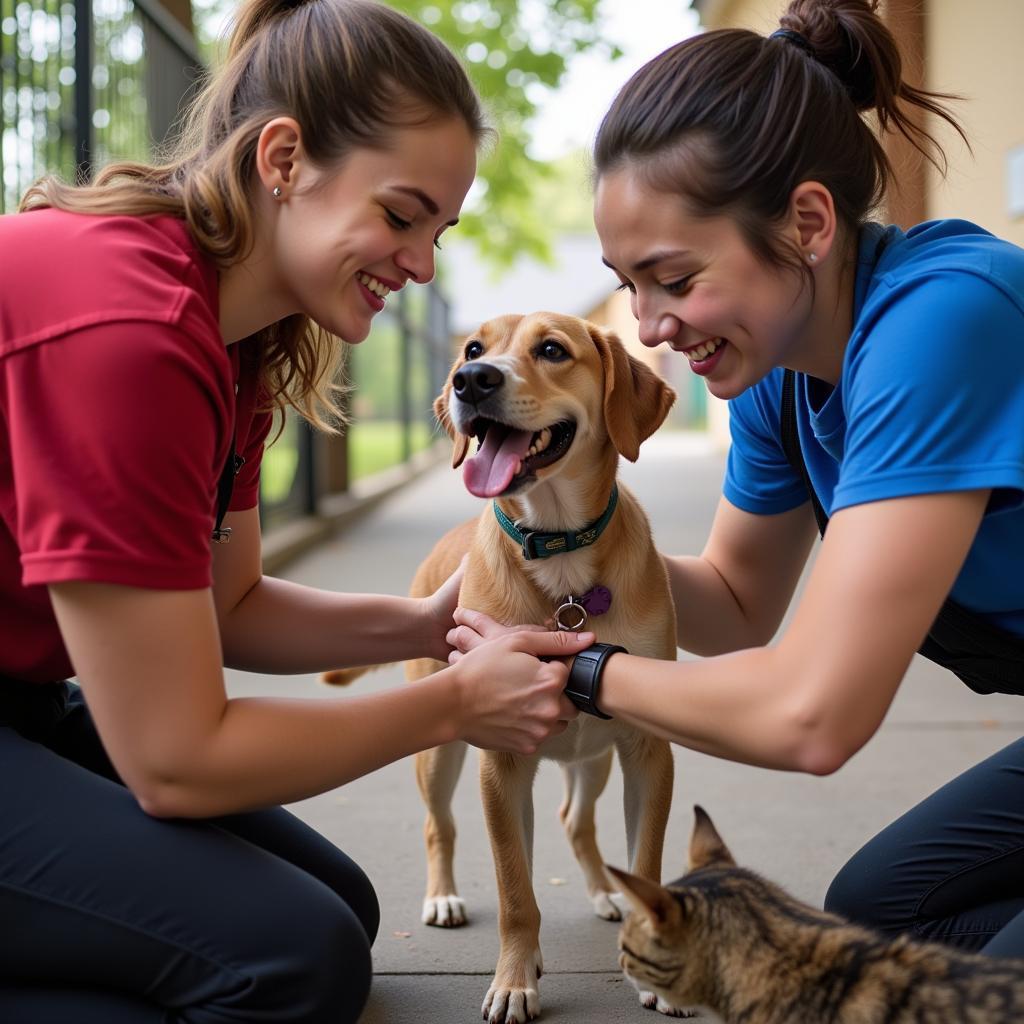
(377, 444)
(372, 446)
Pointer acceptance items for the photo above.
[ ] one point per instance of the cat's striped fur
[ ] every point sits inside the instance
(724, 939)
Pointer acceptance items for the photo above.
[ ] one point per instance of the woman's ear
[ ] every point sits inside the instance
(812, 220)
(279, 152)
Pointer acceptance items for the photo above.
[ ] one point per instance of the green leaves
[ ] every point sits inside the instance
(515, 51)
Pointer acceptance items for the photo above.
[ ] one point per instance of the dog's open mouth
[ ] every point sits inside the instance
(507, 457)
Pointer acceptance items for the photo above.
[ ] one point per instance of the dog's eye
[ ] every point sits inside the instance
(552, 351)
(473, 350)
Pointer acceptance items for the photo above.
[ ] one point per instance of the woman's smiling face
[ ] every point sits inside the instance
(696, 285)
(345, 237)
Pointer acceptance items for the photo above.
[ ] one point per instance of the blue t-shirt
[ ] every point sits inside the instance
(931, 399)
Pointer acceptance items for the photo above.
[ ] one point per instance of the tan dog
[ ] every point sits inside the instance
(554, 401)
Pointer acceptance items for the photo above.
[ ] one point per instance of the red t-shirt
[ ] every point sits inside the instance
(117, 402)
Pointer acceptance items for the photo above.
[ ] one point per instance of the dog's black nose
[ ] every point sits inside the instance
(477, 381)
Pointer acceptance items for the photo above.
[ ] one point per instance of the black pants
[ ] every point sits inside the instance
(952, 868)
(109, 916)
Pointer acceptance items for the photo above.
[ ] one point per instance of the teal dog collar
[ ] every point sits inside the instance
(544, 545)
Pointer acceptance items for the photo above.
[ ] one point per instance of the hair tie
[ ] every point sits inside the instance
(795, 38)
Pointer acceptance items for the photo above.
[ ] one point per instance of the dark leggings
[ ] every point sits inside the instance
(109, 916)
(952, 868)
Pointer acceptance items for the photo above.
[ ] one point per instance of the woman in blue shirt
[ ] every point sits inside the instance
(735, 181)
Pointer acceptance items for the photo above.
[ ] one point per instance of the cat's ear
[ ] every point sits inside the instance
(649, 898)
(706, 846)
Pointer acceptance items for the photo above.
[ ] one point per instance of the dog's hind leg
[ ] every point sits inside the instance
(584, 783)
(437, 772)
(647, 777)
(506, 784)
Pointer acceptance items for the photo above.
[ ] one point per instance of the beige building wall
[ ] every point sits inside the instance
(974, 50)
(615, 314)
(971, 49)
(758, 15)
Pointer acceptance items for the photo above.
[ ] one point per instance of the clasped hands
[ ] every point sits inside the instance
(511, 678)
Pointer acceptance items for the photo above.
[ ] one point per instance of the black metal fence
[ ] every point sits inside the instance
(72, 99)
(396, 374)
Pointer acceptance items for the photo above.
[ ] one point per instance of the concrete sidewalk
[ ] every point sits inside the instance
(795, 830)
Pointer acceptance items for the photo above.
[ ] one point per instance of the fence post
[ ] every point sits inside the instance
(83, 90)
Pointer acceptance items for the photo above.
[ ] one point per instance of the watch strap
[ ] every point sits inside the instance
(585, 677)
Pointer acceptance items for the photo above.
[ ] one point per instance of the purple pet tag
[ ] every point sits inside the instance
(597, 600)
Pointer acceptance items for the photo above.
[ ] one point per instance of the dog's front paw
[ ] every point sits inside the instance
(511, 1005)
(513, 997)
(654, 1002)
(444, 911)
(605, 907)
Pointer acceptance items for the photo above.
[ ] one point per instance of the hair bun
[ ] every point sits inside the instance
(849, 39)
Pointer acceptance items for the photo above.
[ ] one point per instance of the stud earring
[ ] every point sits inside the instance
(277, 193)
(812, 257)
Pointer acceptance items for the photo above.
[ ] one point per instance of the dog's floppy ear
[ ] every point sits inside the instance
(636, 399)
(460, 441)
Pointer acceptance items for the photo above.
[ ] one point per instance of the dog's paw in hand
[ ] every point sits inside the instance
(444, 911)
(651, 1001)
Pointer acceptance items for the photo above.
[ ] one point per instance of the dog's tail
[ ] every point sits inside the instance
(346, 676)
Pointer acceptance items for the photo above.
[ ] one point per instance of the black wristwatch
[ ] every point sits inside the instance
(585, 677)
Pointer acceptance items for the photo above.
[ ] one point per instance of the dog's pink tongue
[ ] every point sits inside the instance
(488, 473)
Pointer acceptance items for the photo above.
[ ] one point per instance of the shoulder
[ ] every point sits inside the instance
(934, 293)
(757, 410)
(758, 476)
(956, 257)
(60, 271)
(52, 232)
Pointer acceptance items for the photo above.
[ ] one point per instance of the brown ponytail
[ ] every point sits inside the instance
(350, 72)
(733, 121)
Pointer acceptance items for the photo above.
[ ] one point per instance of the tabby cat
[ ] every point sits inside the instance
(723, 939)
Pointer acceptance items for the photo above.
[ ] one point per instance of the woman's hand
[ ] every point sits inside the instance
(511, 699)
(439, 612)
(475, 628)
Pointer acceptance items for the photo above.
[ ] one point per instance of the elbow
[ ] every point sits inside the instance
(820, 758)
(820, 745)
(162, 801)
(161, 796)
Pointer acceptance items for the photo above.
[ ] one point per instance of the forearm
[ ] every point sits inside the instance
(756, 706)
(283, 627)
(709, 619)
(270, 751)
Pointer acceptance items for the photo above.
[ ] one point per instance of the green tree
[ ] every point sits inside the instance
(514, 50)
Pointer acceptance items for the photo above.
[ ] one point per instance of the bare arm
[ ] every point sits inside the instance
(809, 702)
(736, 592)
(275, 626)
(150, 667)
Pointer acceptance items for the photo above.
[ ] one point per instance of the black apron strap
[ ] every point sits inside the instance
(988, 659)
(791, 445)
(226, 484)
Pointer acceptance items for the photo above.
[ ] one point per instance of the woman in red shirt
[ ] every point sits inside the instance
(149, 323)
